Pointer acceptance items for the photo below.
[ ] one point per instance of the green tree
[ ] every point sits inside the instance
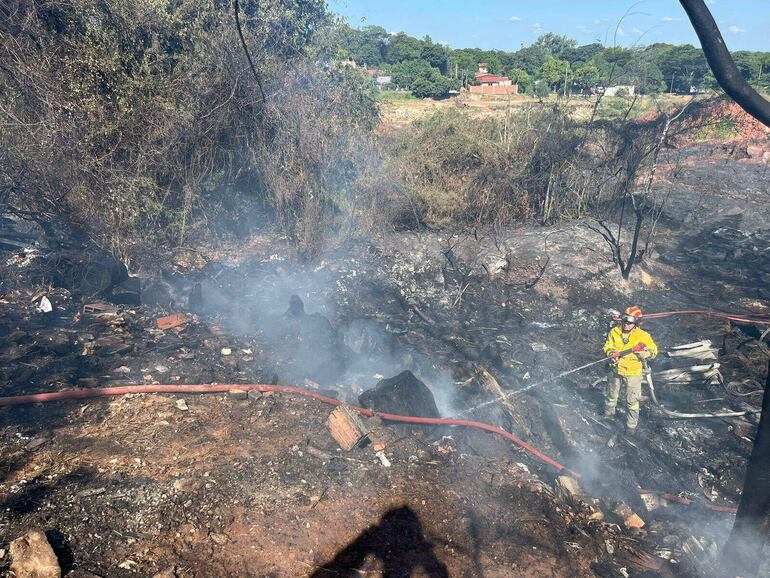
(433, 84)
(520, 77)
(369, 45)
(554, 44)
(553, 71)
(403, 47)
(681, 66)
(581, 54)
(434, 54)
(529, 59)
(586, 76)
(405, 73)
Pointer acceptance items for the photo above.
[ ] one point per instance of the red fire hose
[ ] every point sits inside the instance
(754, 318)
(123, 390)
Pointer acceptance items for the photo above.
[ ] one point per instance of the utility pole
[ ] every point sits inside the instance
(566, 75)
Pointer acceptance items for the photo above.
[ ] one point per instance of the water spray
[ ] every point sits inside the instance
(536, 384)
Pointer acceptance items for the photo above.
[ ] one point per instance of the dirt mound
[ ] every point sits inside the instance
(722, 120)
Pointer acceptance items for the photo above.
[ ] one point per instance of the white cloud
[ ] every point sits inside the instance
(515, 18)
(581, 27)
(735, 30)
(537, 28)
(621, 32)
(636, 31)
(712, 2)
(670, 19)
(596, 21)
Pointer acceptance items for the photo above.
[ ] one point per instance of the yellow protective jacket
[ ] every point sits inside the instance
(629, 364)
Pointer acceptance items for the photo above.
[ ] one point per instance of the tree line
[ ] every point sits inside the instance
(553, 63)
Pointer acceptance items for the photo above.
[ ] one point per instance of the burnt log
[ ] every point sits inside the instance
(403, 394)
(129, 292)
(742, 553)
(86, 272)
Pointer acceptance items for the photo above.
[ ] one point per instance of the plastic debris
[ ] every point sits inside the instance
(45, 305)
(698, 350)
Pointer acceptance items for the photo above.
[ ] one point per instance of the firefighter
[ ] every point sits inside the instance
(630, 347)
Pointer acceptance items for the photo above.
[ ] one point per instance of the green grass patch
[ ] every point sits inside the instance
(396, 97)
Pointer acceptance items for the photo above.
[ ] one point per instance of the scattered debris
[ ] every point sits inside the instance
(99, 308)
(708, 374)
(652, 501)
(383, 458)
(181, 404)
(629, 517)
(698, 350)
(172, 321)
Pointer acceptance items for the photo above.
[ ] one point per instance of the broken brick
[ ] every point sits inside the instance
(346, 427)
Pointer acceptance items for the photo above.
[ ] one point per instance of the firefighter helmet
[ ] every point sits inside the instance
(632, 315)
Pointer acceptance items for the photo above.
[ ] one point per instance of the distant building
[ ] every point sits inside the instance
(491, 83)
(382, 81)
(620, 90)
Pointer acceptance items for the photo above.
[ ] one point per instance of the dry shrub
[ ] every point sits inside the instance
(536, 163)
(141, 123)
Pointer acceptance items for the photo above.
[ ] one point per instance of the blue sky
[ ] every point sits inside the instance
(509, 24)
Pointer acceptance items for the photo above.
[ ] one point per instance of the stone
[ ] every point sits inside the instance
(253, 395)
(181, 405)
(37, 442)
(238, 394)
(33, 557)
(568, 489)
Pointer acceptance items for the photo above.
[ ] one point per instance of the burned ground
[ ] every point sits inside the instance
(225, 484)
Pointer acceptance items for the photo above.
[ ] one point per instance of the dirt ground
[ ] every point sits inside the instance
(219, 485)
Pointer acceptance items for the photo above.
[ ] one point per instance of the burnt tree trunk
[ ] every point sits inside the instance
(721, 63)
(742, 553)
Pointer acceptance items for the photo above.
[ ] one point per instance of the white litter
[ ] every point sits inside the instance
(45, 305)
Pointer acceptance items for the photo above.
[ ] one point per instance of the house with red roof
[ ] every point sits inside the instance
(492, 83)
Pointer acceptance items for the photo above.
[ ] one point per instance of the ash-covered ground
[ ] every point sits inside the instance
(227, 485)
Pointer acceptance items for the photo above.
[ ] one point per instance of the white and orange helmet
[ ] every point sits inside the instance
(632, 314)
